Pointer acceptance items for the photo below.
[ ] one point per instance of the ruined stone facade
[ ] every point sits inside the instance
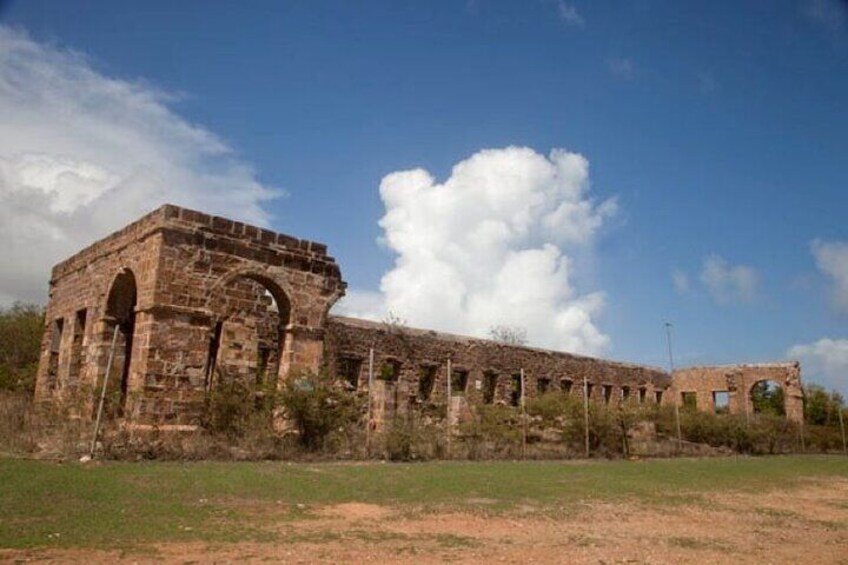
(190, 299)
(411, 366)
(729, 387)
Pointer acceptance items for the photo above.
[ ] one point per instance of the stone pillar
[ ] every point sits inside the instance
(303, 350)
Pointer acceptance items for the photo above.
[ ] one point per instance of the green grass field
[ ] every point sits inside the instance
(129, 504)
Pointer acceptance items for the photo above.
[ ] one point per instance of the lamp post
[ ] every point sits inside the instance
(674, 388)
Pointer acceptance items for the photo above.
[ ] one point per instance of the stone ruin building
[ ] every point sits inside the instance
(190, 298)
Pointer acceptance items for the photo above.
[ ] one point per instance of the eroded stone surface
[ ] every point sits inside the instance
(198, 298)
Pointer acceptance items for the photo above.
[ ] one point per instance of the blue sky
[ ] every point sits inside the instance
(718, 129)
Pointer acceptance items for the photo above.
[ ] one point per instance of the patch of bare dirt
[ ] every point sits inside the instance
(808, 524)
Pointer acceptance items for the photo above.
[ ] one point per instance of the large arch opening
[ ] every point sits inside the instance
(248, 338)
(768, 397)
(120, 316)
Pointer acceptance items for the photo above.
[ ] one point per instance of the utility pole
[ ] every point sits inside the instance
(523, 419)
(586, 413)
(370, 386)
(674, 388)
(448, 409)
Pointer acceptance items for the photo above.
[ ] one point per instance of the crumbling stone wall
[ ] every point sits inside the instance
(194, 297)
(737, 381)
(483, 371)
(190, 300)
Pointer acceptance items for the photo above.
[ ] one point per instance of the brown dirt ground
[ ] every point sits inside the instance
(808, 524)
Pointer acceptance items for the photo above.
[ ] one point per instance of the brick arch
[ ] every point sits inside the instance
(118, 326)
(789, 381)
(115, 296)
(750, 391)
(183, 261)
(274, 280)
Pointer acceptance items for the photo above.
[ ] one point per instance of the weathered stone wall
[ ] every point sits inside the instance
(193, 299)
(78, 331)
(199, 280)
(403, 356)
(737, 381)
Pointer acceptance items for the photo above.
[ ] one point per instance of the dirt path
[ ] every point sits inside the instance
(807, 525)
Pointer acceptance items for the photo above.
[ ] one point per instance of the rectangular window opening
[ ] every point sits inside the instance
(607, 393)
(643, 393)
(543, 385)
(566, 385)
(55, 345)
(689, 400)
(625, 393)
(459, 380)
(515, 390)
(658, 394)
(77, 346)
(390, 370)
(721, 401)
(490, 385)
(349, 368)
(426, 382)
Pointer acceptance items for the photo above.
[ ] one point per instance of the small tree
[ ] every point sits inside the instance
(509, 335)
(767, 398)
(394, 323)
(820, 407)
(21, 328)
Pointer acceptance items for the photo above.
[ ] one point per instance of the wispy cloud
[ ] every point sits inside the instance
(824, 361)
(832, 261)
(490, 246)
(568, 13)
(621, 67)
(680, 280)
(82, 153)
(728, 283)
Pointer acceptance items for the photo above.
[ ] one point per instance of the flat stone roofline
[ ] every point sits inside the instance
(468, 340)
(775, 365)
(169, 216)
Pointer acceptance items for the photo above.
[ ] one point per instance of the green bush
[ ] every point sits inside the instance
(317, 406)
(493, 431)
(552, 408)
(21, 328)
(231, 409)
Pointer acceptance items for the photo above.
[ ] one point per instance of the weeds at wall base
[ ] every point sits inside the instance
(49, 431)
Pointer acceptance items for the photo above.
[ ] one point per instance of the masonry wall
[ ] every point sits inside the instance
(411, 352)
(198, 300)
(198, 279)
(737, 381)
(73, 359)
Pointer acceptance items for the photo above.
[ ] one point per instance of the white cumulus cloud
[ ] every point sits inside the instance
(680, 280)
(488, 247)
(728, 283)
(824, 361)
(832, 260)
(82, 154)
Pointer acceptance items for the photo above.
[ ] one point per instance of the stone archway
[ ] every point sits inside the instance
(250, 325)
(767, 396)
(118, 326)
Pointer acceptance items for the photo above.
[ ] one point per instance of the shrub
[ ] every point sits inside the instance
(493, 431)
(232, 409)
(21, 328)
(317, 406)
